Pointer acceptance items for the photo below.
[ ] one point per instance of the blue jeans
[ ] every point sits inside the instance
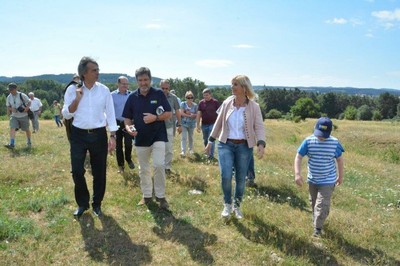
(58, 121)
(206, 129)
(233, 157)
(187, 132)
(250, 172)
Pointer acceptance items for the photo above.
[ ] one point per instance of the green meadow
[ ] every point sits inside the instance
(37, 201)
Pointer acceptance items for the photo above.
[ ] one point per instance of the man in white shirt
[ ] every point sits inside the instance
(36, 108)
(92, 107)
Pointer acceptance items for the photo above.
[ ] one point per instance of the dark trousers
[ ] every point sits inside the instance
(96, 143)
(123, 139)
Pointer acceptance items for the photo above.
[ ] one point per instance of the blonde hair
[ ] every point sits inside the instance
(189, 93)
(244, 81)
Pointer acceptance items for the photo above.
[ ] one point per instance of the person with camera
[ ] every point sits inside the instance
(17, 108)
(146, 109)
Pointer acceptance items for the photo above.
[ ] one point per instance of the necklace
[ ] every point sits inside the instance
(239, 104)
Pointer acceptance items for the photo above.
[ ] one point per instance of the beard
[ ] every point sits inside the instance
(144, 89)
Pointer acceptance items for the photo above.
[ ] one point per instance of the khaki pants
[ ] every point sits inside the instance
(156, 152)
(320, 199)
(169, 148)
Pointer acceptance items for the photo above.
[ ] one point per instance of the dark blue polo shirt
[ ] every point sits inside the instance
(136, 105)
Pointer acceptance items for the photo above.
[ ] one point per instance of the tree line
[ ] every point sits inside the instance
(291, 104)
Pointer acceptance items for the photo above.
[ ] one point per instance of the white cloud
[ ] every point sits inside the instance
(386, 15)
(369, 35)
(336, 21)
(214, 63)
(243, 46)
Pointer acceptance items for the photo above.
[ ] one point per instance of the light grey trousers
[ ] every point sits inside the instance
(320, 200)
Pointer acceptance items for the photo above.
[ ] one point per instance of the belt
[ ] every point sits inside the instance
(237, 141)
(89, 131)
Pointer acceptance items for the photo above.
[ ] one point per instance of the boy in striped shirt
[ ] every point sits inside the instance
(325, 169)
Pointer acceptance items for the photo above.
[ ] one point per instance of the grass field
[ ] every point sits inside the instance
(37, 201)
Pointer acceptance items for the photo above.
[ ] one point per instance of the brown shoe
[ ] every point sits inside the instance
(145, 201)
(163, 203)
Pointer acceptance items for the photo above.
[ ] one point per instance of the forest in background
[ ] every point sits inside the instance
(276, 102)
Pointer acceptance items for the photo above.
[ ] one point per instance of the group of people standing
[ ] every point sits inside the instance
(150, 117)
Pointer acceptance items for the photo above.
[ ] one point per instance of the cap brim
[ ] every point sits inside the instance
(323, 134)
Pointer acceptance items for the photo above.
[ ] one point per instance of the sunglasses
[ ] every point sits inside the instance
(189, 97)
(165, 88)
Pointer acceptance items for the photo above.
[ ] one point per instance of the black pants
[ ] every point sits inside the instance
(123, 139)
(96, 143)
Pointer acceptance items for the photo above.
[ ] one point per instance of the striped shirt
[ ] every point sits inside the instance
(322, 156)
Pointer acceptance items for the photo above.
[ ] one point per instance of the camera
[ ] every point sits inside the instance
(21, 109)
(160, 110)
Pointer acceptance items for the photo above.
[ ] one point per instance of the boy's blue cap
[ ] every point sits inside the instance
(323, 127)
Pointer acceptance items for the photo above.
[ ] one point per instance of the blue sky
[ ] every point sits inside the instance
(277, 43)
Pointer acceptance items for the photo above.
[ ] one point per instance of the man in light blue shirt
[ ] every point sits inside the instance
(120, 95)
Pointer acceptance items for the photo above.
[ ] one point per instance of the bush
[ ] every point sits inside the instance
(364, 113)
(350, 113)
(47, 115)
(274, 114)
(376, 115)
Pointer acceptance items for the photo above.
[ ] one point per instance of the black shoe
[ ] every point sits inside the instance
(131, 165)
(9, 146)
(97, 211)
(251, 183)
(168, 171)
(317, 232)
(163, 203)
(78, 213)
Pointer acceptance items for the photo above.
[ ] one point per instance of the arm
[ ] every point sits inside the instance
(259, 129)
(340, 165)
(198, 117)
(179, 119)
(297, 170)
(128, 123)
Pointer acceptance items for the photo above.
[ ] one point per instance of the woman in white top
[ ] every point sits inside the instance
(239, 127)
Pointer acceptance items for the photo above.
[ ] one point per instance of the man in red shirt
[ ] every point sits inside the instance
(207, 113)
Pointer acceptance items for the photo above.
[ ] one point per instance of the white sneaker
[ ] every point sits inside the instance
(191, 152)
(226, 212)
(238, 213)
(182, 154)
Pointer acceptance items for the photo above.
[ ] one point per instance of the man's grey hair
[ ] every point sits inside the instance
(142, 71)
(82, 67)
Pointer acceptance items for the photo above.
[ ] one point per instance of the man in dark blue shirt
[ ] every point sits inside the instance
(146, 109)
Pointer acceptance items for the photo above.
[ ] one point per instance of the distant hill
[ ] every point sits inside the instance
(112, 78)
(66, 78)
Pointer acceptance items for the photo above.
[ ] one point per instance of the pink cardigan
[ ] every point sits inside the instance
(254, 125)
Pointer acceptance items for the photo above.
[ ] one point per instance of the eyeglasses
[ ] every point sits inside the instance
(189, 97)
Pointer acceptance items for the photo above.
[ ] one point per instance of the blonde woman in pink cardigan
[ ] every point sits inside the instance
(239, 128)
